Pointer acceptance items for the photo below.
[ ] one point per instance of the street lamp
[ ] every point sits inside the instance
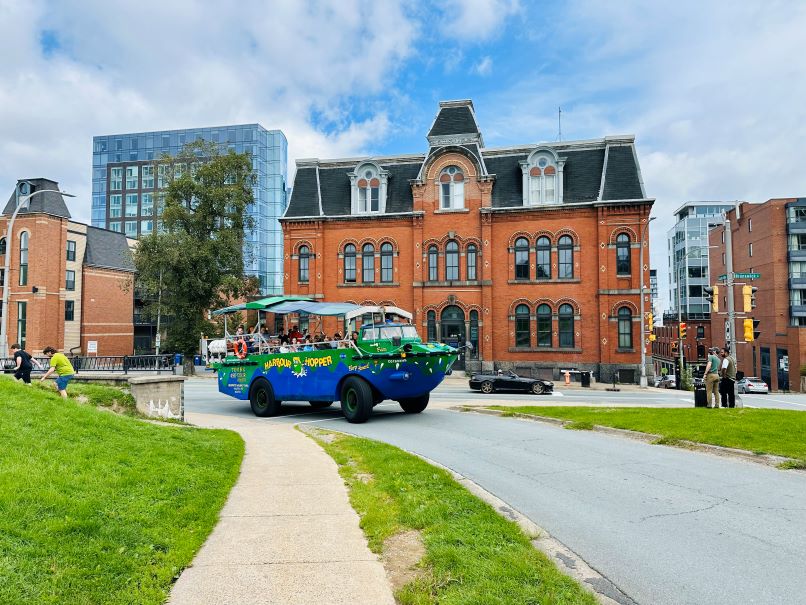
(22, 201)
(680, 354)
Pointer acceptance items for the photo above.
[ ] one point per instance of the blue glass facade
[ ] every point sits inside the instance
(126, 184)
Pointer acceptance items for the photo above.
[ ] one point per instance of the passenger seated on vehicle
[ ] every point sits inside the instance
(308, 345)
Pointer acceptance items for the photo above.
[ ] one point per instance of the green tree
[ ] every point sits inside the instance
(195, 259)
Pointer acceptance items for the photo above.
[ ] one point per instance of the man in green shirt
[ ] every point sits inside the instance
(63, 368)
(712, 379)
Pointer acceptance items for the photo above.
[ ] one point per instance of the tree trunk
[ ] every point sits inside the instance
(188, 367)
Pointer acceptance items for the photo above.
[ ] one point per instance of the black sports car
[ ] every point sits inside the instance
(509, 381)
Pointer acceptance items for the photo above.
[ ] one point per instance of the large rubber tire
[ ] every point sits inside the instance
(356, 400)
(537, 388)
(318, 405)
(261, 398)
(414, 405)
(487, 387)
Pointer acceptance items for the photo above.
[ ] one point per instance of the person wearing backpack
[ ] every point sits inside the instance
(23, 363)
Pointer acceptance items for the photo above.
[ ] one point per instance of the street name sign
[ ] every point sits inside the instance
(747, 275)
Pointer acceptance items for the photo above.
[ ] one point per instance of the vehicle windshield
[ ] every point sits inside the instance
(388, 332)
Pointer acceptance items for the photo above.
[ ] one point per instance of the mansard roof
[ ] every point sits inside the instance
(598, 170)
(108, 249)
(46, 203)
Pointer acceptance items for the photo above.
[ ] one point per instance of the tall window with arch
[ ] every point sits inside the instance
(624, 328)
(565, 254)
(623, 260)
(349, 264)
(304, 260)
(386, 263)
(452, 188)
(543, 250)
(472, 261)
(543, 325)
(431, 326)
(24, 258)
(543, 181)
(523, 335)
(433, 257)
(521, 258)
(2, 246)
(452, 260)
(565, 325)
(368, 263)
(369, 191)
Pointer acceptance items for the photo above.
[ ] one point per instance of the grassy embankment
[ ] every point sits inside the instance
(762, 431)
(97, 507)
(472, 555)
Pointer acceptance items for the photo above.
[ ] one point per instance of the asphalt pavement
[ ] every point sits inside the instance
(665, 525)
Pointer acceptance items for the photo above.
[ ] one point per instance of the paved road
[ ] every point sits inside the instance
(667, 526)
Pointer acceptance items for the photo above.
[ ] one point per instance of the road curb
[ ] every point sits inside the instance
(770, 460)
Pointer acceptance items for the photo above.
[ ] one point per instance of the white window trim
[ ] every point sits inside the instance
(358, 174)
(453, 206)
(531, 162)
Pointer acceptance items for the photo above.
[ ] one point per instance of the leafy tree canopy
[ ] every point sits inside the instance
(194, 261)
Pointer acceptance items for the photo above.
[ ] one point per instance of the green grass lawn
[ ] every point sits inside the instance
(472, 554)
(97, 507)
(765, 431)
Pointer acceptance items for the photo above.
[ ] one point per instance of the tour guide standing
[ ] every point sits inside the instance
(712, 379)
(728, 373)
(61, 365)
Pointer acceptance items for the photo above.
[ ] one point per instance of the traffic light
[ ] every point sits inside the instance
(674, 348)
(749, 295)
(756, 332)
(748, 329)
(682, 329)
(712, 296)
(650, 323)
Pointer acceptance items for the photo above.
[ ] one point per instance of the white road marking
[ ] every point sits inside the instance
(783, 401)
(557, 394)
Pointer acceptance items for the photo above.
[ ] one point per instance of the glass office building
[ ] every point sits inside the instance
(687, 244)
(127, 178)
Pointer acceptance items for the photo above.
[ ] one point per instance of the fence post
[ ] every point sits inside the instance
(125, 364)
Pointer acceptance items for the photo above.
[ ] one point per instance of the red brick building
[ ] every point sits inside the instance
(768, 239)
(695, 345)
(530, 253)
(69, 283)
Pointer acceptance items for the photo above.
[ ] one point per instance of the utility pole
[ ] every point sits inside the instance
(679, 381)
(730, 321)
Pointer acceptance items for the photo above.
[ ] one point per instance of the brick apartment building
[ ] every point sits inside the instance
(69, 282)
(769, 239)
(695, 345)
(530, 253)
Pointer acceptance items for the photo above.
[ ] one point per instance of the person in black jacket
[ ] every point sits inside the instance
(23, 363)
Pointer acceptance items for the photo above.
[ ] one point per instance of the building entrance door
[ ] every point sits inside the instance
(452, 328)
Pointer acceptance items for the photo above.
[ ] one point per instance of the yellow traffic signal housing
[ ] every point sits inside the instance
(682, 329)
(652, 338)
(712, 296)
(747, 295)
(748, 329)
(650, 322)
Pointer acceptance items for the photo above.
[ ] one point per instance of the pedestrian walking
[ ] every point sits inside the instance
(63, 368)
(712, 379)
(23, 363)
(727, 384)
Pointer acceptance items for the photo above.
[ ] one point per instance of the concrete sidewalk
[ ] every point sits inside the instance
(287, 534)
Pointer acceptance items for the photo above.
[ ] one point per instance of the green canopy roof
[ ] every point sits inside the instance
(262, 305)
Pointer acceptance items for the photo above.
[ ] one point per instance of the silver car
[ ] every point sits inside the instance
(752, 385)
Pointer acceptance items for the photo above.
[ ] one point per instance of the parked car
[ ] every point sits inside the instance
(509, 381)
(667, 382)
(752, 385)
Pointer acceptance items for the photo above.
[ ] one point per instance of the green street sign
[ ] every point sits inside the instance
(747, 275)
(722, 277)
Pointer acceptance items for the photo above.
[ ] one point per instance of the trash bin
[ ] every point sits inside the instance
(585, 379)
(700, 396)
(197, 360)
(178, 359)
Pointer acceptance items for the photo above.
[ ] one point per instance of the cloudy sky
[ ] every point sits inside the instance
(713, 91)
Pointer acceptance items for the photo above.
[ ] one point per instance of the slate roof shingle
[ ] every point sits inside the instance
(47, 203)
(108, 249)
(454, 120)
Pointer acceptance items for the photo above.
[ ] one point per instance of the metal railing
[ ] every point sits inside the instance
(105, 363)
(258, 344)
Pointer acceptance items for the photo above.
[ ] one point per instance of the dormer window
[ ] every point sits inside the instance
(451, 188)
(542, 178)
(368, 189)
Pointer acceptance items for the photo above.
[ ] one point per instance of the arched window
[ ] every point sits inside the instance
(565, 251)
(474, 334)
(565, 323)
(369, 190)
(523, 336)
(543, 326)
(386, 262)
(349, 264)
(433, 272)
(623, 264)
(24, 258)
(368, 263)
(543, 249)
(432, 326)
(2, 246)
(451, 260)
(472, 260)
(452, 188)
(543, 180)
(304, 258)
(521, 258)
(624, 328)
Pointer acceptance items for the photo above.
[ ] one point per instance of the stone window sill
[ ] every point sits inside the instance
(451, 210)
(369, 285)
(558, 280)
(542, 350)
(625, 350)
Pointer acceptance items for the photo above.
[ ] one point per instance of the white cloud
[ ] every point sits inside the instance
(484, 67)
(470, 20)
